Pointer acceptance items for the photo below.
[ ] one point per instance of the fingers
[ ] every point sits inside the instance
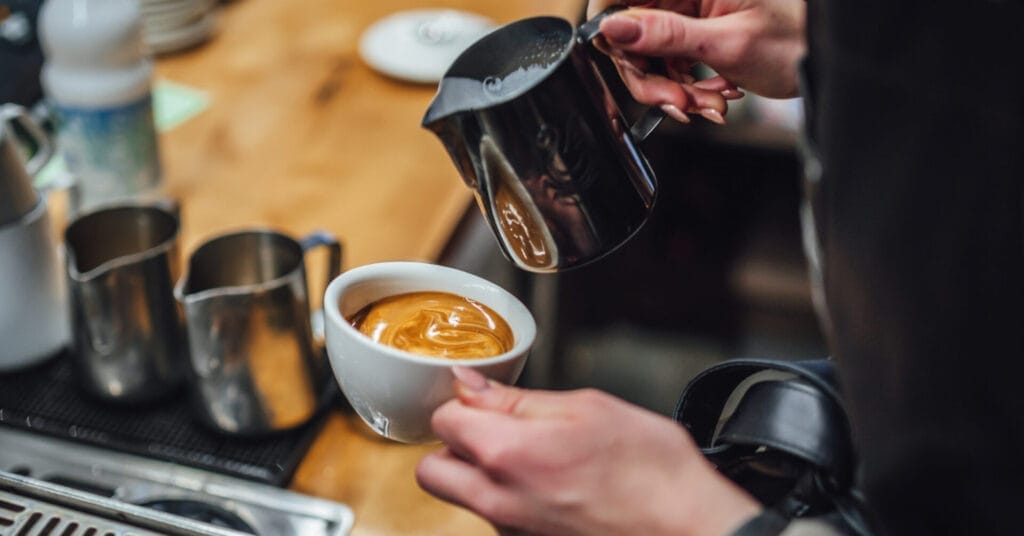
(647, 88)
(657, 32)
(633, 36)
(484, 438)
(468, 380)
(677, 94)
(673, 97)
(451, 479)
(679, 69)
(495, 427)
(716, 83)
(709, 104)
(474, 390)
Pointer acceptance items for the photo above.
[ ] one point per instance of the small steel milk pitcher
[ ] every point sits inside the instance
(122, 261)
(254, 364)
(535, 132)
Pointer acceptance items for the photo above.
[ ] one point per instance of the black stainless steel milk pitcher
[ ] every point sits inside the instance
(535, 132)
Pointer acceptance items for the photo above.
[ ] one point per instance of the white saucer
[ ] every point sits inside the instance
(420, 45)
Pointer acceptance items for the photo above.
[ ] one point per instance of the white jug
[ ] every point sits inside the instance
(33, 314)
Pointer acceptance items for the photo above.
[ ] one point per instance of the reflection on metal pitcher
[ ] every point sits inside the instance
(569, 166)
(121, 263)
(515, 210)
(254, 364)
(532, 128)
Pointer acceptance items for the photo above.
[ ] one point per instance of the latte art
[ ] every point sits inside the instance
(435, 324)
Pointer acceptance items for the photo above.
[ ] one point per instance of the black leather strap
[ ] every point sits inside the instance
(704, 398)
(792, 417)
(803, 418)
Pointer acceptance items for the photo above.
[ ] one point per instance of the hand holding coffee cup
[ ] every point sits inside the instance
(395, 330)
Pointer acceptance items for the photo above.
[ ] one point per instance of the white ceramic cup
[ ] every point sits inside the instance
(395, 392)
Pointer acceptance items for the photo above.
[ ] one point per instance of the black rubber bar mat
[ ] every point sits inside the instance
(45, 399)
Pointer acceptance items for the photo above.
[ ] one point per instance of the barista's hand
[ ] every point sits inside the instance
(753, 44)
(574, 463)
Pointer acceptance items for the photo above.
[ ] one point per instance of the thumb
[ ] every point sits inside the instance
(661, 33)
(475, 390)
(596, 6)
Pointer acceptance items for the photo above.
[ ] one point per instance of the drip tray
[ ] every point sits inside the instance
(29, 506)
(50, 486)
(46, 400)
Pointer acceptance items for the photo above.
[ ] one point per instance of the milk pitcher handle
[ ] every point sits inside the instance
(324, 239)
(43, 149)
(651, 118)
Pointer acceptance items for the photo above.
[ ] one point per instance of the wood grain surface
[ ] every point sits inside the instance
(302, 135)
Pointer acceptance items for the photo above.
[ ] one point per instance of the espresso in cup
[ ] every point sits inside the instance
(436, 324)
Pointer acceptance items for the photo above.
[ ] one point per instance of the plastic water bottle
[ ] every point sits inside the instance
(97, 78)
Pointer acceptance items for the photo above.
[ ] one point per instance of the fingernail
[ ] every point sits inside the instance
(675, 113)
(713, 115)
(470, 378)
(630, 66)
(732, 93)
(620, 29)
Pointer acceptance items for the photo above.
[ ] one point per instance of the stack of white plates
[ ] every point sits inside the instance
(172, 25)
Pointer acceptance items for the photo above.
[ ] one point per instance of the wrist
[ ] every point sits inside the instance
(727, 508)
(707, 503)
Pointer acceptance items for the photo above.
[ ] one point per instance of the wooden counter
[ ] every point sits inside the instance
(301, 135)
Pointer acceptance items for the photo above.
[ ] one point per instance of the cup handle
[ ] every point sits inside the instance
(651, 118)
(43, 146)
(334, 251)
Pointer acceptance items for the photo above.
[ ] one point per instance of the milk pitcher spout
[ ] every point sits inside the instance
(451, 130)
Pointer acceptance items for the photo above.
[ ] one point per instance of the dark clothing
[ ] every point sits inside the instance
(916, 114)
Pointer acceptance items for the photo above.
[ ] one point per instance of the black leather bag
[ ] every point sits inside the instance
(779, 430)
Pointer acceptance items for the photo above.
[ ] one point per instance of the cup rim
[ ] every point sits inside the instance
(226, 290)
(523, 340)
(162, 247)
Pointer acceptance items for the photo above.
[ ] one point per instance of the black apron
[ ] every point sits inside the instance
(916, 179)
